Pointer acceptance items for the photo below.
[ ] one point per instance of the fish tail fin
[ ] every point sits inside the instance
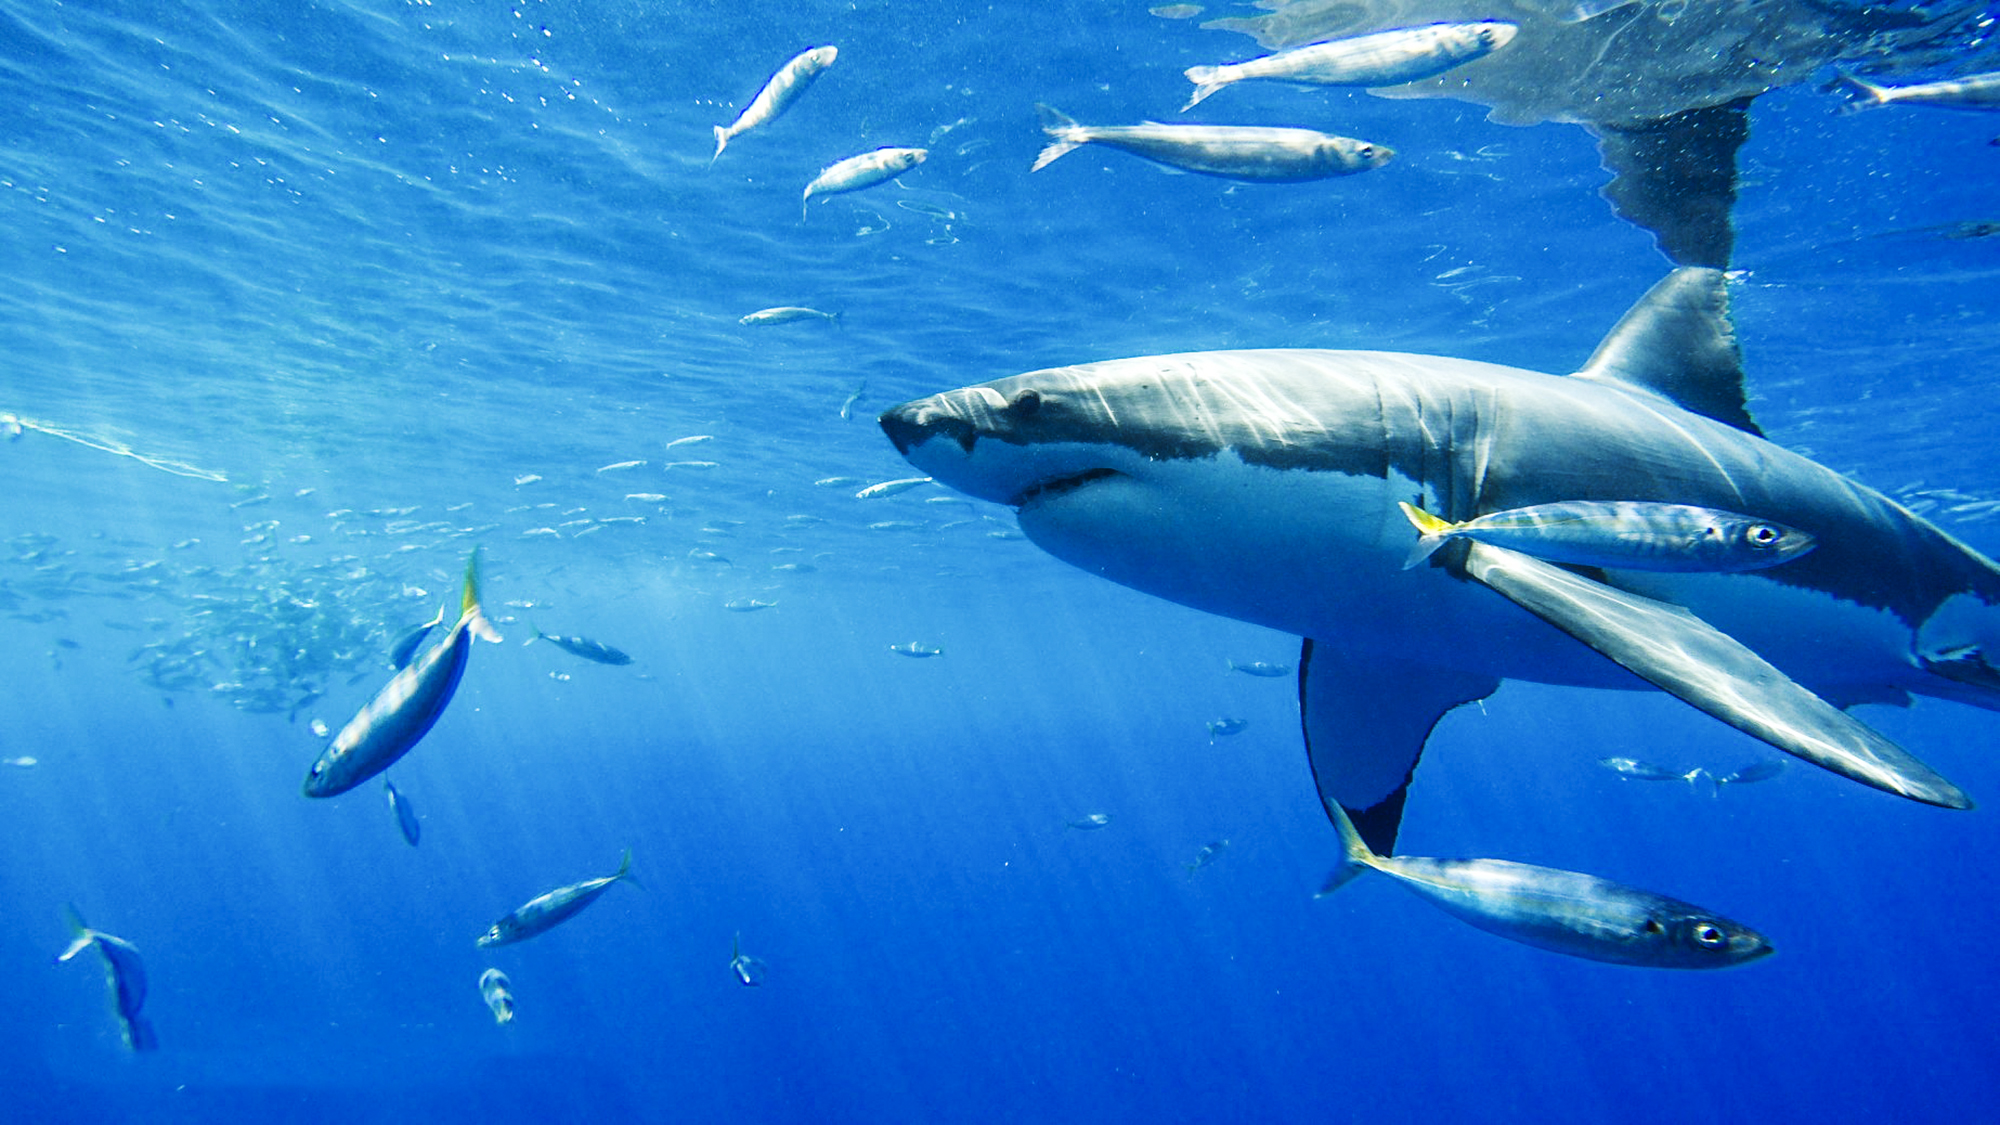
(80, 935)
(1204, 79)
(1062, 127)
(468, 603)
(1864, 94)
(805, 204)
(1355, 858)
(625, 871)
(1431, 533)
(721, 142)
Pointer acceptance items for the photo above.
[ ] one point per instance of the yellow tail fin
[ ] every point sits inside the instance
(1432, 533)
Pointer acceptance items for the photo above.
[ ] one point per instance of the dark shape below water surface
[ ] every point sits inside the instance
(406, 816)
(1668, 108)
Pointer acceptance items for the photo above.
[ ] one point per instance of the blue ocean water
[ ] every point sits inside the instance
(304, 301)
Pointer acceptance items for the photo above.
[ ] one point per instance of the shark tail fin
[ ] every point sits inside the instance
(1205, 83)
(1432, 533)
(1355, 859)
(80, 935)
(468, 603)
(1063, 128)
(1863, 94)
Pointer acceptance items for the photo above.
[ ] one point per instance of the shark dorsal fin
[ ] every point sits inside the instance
(1677, 342)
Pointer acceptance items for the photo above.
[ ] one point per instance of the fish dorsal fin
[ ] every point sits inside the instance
(1677, 342)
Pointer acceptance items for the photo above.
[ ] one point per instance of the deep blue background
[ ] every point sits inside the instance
(365, 257)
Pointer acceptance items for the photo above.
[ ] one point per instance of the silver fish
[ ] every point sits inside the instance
(1974, 91)
(407, 706)
(595, 651)
(406, 645)
(1384, 58)
(1560, 911)
(1232, 152)
(917, 650)
(1620, 535)
(863, 171)
(545, 912)
(406, 816)
(1094, 820)
(124, 973)
(748, 969)
(847, 407)
(691, 439)
(748, 605)
(1259, 668)
(1223, 728)
(1206, 856)
(498, 992)
(890, 488)
(778, 94)
(786, 314)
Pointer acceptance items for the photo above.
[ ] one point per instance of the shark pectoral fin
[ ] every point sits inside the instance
(1686, 657)
(1676, 176)
(1366, 720)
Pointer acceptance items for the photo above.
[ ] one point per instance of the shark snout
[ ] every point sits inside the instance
(914, 423)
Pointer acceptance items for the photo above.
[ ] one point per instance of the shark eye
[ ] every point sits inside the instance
(1026, 404)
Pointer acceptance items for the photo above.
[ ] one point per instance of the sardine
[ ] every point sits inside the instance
(125, 975)
(406, 708)
(890, 488)
(1223, 728)
(1384, 58)
(786, 314)
(1206, 856)
(1259, 668)
(1234, 152)
(778, 94)
(1560, 911)
(596, 651)
(863, 171)
(545, 912)
(406, 816)
(1622, 536)
(498, 992)
(748, 969)
(1094, 820)
(917, 650)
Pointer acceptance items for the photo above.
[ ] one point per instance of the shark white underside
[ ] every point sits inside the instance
(1264, 486)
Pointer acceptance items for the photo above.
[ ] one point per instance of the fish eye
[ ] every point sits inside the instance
(1762, 535)
(1367, 152)
(1026, 404)
(1709, 934)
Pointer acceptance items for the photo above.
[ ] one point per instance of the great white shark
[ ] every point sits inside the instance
(1264, 486)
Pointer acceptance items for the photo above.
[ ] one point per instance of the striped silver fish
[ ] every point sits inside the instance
(1622, 535)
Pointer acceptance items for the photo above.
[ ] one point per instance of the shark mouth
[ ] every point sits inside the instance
(1061, 486)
